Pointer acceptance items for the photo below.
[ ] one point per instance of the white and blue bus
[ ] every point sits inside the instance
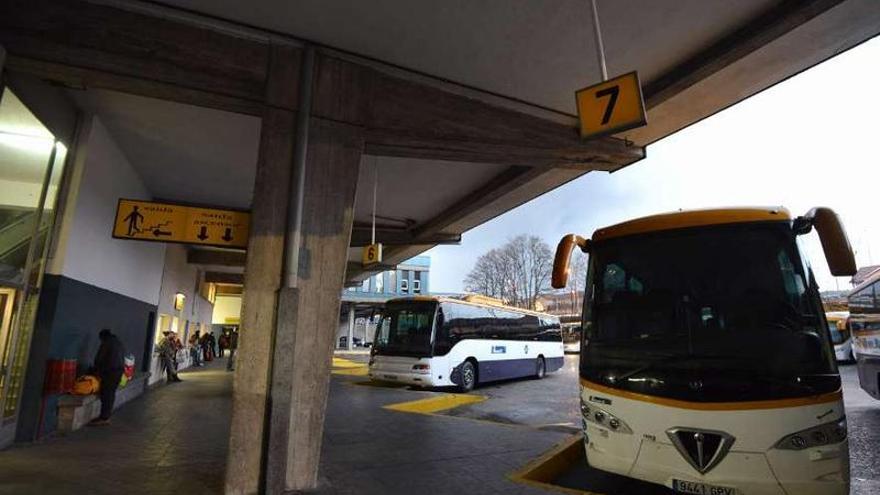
(440, 342)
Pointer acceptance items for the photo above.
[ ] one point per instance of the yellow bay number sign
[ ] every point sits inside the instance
(161, 222)
(372, 254)
(611, 106)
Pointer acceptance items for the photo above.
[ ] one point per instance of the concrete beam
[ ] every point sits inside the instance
(224, 278)
(361, 235)
(215, 257)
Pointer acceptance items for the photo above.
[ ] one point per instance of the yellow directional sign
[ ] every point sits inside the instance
(611, 106)
(160, 222)
(372, 254)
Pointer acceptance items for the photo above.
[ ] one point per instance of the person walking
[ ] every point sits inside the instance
(109, 366)
(233, 346)
(167, 351)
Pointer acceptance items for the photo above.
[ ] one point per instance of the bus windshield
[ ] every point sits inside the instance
(406, 329)
(717, 313)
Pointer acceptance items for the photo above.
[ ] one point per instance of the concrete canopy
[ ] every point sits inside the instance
(695, 57)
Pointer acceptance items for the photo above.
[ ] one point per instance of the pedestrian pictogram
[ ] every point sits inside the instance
(149, 221)
(134, 219)
(611, 106)
(372, 254)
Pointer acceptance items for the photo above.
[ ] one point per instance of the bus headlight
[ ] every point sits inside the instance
(817, 436)
(597, 416)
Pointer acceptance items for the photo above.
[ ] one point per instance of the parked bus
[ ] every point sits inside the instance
(440, 341)
(864, 307)
(706, 364)
(841, 336)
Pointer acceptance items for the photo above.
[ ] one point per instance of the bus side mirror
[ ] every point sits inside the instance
(835, 242)
(563, 256)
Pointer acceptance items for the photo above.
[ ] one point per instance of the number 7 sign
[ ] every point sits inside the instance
(611, 106)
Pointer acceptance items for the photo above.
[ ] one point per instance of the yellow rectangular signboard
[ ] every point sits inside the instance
(611, 106)
(161, 222)
(371, 254)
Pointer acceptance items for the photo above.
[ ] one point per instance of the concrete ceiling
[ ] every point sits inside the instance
(537, 51)
(197, 155)
(182, 152)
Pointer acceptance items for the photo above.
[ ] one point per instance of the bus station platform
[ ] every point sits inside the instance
(378, 439)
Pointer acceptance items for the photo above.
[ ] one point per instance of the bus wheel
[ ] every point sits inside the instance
(468, 377)
(540, 368)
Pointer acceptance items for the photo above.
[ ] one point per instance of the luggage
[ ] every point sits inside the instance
(127, 370)
(86, 385)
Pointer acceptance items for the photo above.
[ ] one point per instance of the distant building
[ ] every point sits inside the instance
(361, 304)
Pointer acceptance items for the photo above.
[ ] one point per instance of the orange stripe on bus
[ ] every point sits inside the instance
(718, 406)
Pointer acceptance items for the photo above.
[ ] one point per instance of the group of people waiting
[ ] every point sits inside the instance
(202, 348)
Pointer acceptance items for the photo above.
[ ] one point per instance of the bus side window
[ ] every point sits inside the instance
(442, 338)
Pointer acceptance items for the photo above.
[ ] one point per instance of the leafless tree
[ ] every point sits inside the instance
(516, 272)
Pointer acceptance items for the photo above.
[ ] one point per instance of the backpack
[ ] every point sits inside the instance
(86, 385)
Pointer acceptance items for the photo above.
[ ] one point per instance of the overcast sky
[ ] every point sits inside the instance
(809, 141)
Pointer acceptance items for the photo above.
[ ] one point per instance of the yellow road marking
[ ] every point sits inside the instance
(346, 363)
(432, 405)
(542, 471)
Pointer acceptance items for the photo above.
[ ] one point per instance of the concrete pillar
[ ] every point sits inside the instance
(262, 281)
(309, 314)
(350, 326)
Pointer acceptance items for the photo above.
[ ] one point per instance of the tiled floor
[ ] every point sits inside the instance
(174, 440)
(171, 440)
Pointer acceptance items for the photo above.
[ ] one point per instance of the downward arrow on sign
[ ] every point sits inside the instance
(227, 236)
(203, 233)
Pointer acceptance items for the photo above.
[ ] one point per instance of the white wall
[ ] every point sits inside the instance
(85, 250)
(226, 307)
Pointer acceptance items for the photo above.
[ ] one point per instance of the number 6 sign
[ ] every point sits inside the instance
(371, 254)
(611, 106)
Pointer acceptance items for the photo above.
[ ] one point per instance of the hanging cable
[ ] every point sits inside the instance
(600, 47)
(375, 190)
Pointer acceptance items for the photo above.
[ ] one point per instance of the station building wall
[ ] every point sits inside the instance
(178, 277)
(92, 281)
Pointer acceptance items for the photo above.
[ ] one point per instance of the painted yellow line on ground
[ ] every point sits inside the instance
(346, 363)
(543, 471)
(432, 405)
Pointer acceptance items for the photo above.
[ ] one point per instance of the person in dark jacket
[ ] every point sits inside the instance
(109, 364)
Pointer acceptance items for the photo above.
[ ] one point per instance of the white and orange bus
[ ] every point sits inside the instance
(707, 364)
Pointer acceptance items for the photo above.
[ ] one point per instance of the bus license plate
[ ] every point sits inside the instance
(694, 488)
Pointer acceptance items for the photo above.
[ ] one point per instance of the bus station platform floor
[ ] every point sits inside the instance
(174, 439)
(377, 440)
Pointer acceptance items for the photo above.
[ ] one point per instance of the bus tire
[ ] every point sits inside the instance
(540, 368)
(468, 376)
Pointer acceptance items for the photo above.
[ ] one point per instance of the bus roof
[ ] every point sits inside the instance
(693, 218)
(477, 302)
(873, 278)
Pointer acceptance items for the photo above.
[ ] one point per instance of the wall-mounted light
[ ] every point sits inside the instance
(179, 300)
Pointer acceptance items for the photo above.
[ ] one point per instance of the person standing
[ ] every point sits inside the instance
(109, 366)
(223, 342)
(167, 351)
(212, 343)
(194, 348)
(233, 346)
